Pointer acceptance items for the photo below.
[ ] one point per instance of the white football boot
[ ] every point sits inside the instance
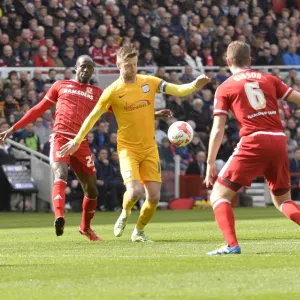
(139, 236)
(121, 224)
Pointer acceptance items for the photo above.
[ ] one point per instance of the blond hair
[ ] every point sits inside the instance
(126, 52)
(238, 53)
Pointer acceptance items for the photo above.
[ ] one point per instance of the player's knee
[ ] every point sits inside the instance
(92, 192)
(134, 194)
(60, 174)
(154, 199)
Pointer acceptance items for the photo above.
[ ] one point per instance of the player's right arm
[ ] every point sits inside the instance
(221, 109)
(35, 112)
(101, 107)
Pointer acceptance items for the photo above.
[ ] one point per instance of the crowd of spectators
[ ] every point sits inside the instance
(185, 33)
(52, 33)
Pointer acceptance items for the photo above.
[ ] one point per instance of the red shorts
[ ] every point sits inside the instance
(81, 161)
(261, 153)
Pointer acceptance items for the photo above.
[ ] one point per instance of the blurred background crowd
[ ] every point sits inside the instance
(177, 33)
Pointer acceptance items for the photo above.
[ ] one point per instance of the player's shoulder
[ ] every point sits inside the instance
(64, 83)
(149, 79)
(224, 85)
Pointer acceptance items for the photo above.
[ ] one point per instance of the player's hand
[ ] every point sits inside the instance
(5, 134)
(164, 113)
(202, 80)
(211, 175)
(69, 148)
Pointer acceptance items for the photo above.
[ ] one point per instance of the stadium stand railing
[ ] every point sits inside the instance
(40, 169)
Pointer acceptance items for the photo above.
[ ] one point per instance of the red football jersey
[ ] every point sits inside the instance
(74, 102)
(110, 54)
(252, 97)
(97, 55)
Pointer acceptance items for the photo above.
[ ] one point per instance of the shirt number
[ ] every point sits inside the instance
(90, 162)
(255, 95)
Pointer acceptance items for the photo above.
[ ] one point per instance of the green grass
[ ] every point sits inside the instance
(35, 264)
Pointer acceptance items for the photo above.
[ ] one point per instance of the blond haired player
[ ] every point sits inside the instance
(131, 98)
(252, 97)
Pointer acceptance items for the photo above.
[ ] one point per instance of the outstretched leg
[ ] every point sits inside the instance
(131, 196)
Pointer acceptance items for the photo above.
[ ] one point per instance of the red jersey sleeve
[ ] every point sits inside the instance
(52, 94)
(221, 103)
(282, 90)
(36, 111)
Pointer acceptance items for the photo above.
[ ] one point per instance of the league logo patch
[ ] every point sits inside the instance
(58, 154)
(127, 174)
(145, 88)
(89, 90)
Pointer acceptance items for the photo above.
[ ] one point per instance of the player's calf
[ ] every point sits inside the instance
(282, 200)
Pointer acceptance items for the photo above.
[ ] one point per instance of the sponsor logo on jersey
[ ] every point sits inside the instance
(138, 104)
(145, 88)
(89, 90)
(247, 75)
(77, 92)
(262, 113)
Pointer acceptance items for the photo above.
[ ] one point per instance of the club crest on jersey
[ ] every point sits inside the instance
(145, 88)
(89, 90)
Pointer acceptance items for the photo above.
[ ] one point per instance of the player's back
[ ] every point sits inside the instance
(252, 96)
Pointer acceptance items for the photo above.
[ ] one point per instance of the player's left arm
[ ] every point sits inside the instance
(182, 90)
(215, 140)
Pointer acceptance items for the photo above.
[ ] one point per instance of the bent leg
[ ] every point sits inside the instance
(287, 206)
(131, 196)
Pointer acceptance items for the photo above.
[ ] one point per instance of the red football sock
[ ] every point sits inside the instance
(88, 210)
(225, 220)
(291, 210)
(58, 197)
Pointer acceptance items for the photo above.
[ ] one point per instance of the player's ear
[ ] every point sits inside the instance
(228, 62)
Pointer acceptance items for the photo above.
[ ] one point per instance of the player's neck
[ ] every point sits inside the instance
(235, 70)
(127, 81)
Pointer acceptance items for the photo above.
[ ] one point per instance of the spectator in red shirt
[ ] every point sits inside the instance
(96, 52)
(42, 59)
(40, 34)
(110, 52)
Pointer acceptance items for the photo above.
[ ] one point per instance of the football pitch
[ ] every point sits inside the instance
(35, 264)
